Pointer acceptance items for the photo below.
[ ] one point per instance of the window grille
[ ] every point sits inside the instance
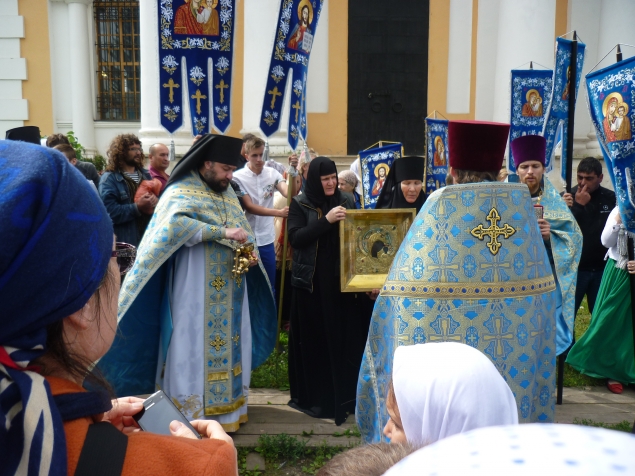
(117, 43)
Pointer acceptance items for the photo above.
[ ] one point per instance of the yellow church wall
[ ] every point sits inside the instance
(438, 53)
(328, 132)
(35, 48)
(562, 12)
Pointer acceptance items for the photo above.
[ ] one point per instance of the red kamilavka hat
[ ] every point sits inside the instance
(526, 148)
(478, 146)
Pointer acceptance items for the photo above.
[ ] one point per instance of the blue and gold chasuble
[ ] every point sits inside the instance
(564, 256)
(145, 323)
(472, 269)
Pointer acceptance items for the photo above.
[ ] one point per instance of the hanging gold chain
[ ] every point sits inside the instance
(213, 195)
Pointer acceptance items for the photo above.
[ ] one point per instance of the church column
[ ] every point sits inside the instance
(79, 58)
(260, 28)
(151, 129)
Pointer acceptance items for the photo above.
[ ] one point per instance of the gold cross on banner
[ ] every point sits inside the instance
(274, 94)
(493, 231)
(222, 86)
(297, 108)
(171, 84)
(217, 343)
(198, 96)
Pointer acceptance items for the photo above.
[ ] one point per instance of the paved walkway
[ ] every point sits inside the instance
(270, 414)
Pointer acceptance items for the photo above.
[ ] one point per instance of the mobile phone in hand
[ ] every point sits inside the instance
(157, 414)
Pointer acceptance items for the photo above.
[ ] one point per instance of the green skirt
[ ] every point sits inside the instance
(606, 348)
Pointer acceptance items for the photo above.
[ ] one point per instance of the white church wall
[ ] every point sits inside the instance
(486, 46)
(60, 67)
(525, 33)
(317, 99)
(459, 57)
(13, 108)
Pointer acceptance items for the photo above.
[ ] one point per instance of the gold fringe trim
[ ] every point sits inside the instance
(232, 427)
(219, 410)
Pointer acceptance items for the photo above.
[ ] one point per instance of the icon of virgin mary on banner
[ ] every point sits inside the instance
(611, 95)
(297, 24)
(191, 32)
(558, 111)
(531, 97)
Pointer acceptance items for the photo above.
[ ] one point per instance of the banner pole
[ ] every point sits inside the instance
(573, 77)
(290, 192)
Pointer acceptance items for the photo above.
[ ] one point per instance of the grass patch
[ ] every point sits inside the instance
(625, 425)
(288, 455)
(274, 373)
(573, 378)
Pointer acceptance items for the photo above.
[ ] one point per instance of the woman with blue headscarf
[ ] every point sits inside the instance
(59, 281)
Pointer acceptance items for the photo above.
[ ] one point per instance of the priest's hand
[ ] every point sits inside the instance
(545, 229)
(630, 267)
(208, 428)
(568, 199)
(336, 214)
(120, 416)
(236, 234)
(253, 259)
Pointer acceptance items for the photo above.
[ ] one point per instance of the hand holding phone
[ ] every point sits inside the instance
(157, 414)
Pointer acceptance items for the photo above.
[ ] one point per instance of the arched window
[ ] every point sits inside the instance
(117, 42)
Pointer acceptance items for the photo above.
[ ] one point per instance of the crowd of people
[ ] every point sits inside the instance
(169, 281)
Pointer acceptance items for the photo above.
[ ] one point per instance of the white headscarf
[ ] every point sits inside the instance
(525, 450)
(447, 388)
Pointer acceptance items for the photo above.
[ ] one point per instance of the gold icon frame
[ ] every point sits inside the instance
(369, 241)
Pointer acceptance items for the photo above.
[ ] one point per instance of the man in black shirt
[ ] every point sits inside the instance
(591, 205)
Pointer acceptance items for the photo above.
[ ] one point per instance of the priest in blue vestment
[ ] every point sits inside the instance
(473, 269)
(558, 227)
(189, 324)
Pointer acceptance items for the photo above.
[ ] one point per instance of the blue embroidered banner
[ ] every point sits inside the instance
(611, 93)
(437, 156)
(375, 165)
(191, 34)
(297, 23)
(531, 97)
(557, 113)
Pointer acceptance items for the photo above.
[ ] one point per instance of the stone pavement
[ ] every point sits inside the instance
(269, 414)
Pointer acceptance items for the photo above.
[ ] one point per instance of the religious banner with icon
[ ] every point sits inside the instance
(375, 165)
(531, 97)
(437, 156)
(191, 34)
(611, 94)
(557, 112)
(297, 23)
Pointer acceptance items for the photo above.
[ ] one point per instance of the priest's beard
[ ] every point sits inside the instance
(210, 178)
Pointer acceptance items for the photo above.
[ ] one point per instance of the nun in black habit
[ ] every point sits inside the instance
(328, 328)
(404, 185)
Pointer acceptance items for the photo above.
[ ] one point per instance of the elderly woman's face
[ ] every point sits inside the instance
(329, 182)
(411, 189)
(344, 186)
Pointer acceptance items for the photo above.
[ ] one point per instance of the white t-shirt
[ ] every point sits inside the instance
(260, 189)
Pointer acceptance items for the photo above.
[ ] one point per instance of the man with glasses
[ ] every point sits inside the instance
(118, 186)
